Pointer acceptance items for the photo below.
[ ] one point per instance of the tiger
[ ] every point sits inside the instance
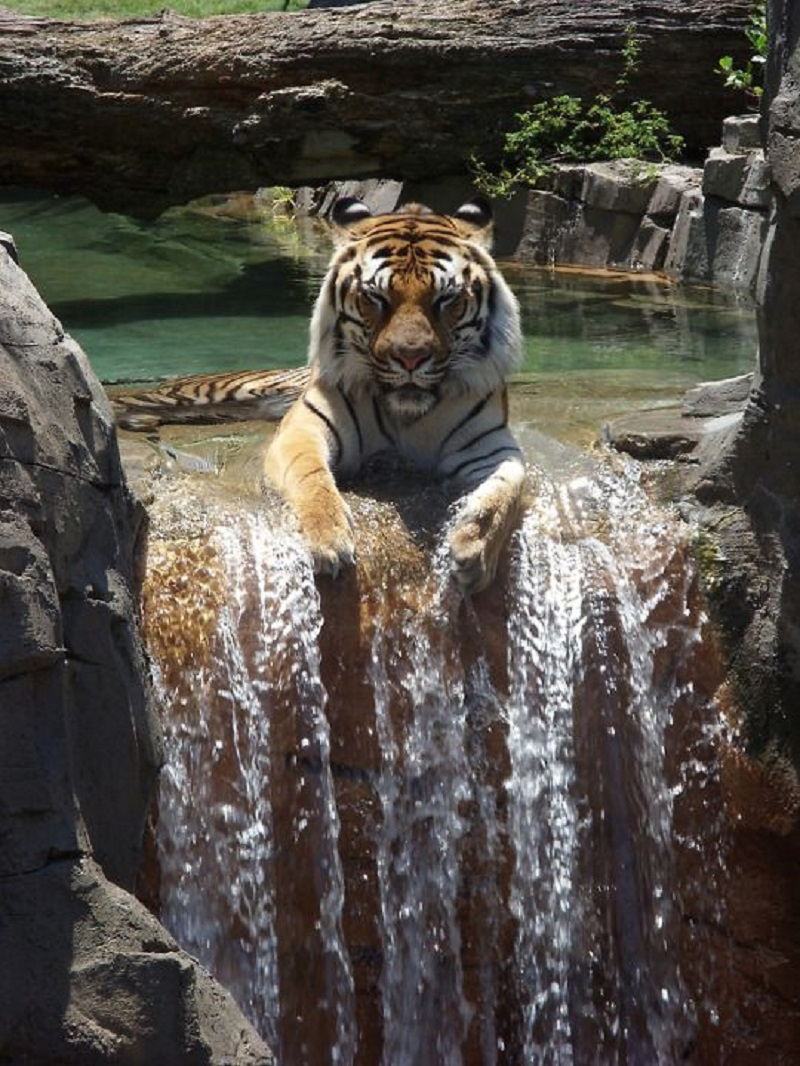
(412, 338)
(207, 398)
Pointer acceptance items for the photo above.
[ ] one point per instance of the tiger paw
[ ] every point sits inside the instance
(329, 558)
(473, 558)
(330, 541)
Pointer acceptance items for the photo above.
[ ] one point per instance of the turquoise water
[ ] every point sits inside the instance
(194, 291)
(221, 286)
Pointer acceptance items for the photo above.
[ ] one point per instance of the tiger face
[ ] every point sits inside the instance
(412, 337)
(414, 308)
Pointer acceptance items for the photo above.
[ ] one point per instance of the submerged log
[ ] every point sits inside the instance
(141, 114)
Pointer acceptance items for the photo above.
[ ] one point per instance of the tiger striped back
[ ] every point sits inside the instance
(244, 394)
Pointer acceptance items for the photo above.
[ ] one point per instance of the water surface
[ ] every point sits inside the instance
(225, 284)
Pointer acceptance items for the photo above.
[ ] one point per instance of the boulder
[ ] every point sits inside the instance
(88, 976)
(141, 114)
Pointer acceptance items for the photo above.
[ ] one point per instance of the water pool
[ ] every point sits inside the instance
(223, 284)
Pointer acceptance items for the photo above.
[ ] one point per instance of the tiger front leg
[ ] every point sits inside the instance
(298, 464)
(484, 524)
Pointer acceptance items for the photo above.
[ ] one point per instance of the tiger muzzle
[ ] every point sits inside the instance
(408, 342)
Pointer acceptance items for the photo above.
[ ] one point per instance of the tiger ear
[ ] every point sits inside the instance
(477, 219)
(348, 210)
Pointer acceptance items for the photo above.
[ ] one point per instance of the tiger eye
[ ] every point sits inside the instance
(374, 299)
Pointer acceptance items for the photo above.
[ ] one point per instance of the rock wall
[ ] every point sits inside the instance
(701, 225)
(749, 477)
(87, 975)
(138, 115)
(721, 227)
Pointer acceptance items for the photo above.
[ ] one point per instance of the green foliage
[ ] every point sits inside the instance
(564, 129)
(748, 79)
(91, 9)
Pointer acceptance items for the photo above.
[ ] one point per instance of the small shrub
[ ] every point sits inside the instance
(564, 129)
(749, 79)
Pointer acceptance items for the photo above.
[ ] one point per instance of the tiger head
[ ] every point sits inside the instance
(414, 308)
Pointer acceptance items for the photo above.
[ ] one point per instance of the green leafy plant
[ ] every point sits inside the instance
(749, 78)
(564, 129)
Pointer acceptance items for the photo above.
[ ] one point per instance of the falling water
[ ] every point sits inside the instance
(222, 720)
(216, 824)
(523, 850)
(591, 812)
(423, 784)
(545, 638)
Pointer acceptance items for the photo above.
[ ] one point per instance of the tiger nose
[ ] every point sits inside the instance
(410, 356)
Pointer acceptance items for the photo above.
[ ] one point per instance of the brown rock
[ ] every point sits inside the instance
(142, 114)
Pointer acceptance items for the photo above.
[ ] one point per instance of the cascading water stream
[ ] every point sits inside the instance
(423, 784)
(218, 852)
(592, 809)
(545, 649)
(508, 889)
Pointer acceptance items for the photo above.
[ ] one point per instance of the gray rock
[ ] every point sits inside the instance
(735, 240)
(650, 246)
(749, 479)
(713, 398)
(662, 434)
(717, 243)
(381, 195)
(547, 218)
(609, 215)
(741, 133)
(87, 975)
(737, 178)
(600, 238)
(673, 181)
(568, 181)
(90, 977)
(619, 186)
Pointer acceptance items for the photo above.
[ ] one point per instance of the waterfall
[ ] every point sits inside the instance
(407, 828)
(217, 841)
(592, 807)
